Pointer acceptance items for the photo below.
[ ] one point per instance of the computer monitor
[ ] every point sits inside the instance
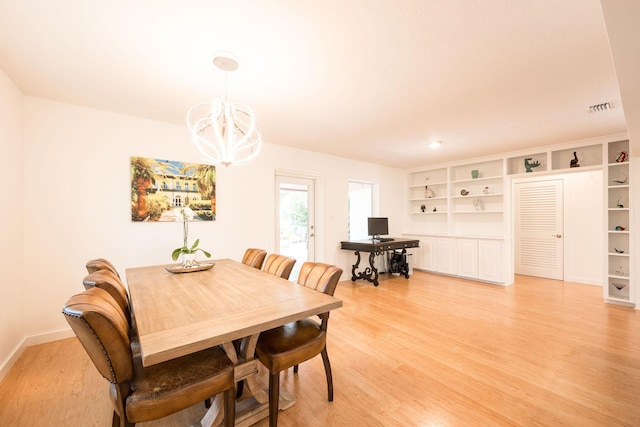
(377, 226)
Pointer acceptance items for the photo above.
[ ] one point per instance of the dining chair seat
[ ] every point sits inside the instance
(291, 344)
(138, 393)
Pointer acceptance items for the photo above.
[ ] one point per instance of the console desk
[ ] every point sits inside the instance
(377, 247)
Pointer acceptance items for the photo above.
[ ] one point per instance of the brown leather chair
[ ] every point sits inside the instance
(254, 257)
(101, 264)
(279, 265)
(289, 345)
(110, 282)
(142, 394)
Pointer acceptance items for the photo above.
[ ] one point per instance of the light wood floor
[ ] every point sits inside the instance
(428, 351)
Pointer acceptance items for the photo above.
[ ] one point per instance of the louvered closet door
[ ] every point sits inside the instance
(538, 229)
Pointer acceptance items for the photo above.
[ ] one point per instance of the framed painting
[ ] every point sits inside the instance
(163, 190)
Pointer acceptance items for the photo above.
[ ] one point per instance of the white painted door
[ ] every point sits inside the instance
(538, 221)
(295, 219)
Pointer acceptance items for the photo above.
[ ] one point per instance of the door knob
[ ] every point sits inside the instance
(558, 235)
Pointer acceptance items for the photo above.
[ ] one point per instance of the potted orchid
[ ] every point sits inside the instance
(188, 252)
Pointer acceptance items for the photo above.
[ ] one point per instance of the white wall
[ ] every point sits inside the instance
(78, 190)
(11, 224)
(583, 236)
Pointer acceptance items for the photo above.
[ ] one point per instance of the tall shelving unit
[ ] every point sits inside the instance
(618, 285)
(457, 213)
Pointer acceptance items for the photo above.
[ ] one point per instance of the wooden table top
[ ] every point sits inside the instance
(178, 314)
(370, 245)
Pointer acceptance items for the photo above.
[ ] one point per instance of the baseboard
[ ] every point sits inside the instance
(28, 342)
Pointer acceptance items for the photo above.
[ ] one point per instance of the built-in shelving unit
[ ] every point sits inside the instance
(618, 285)
(463, 219)
(461, 230)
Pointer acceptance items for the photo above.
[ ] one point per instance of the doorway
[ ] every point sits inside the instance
(539, 224)
(295, 219)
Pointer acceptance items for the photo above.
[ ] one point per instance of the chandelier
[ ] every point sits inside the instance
(222, 132)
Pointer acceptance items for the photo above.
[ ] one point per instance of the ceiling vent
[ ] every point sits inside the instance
(600, 107)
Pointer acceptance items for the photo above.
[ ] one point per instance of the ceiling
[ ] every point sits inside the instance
(374, 80)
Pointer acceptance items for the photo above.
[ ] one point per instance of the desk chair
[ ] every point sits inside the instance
(289, 345)
(142, 394)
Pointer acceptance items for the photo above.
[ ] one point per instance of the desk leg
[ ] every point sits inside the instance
(354, 276)
(370, 273)
(372, 258)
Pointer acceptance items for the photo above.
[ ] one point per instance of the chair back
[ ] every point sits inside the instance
(319, 276)
(107, 280)
(279, 265)
(101, 264)
(254, 257)
(103, 331)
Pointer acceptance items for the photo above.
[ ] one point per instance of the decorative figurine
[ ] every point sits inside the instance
(622, 181)
(428, 193)
(574, 162)
(464, 192)
(619, 228)
(622, 157)
(486, 190)
(434, 209)
(618, 286)
(618, 251)
(529, 165)
(619, 203)
(620, 271)
(475, 174)
(423, 207)
(478, 205)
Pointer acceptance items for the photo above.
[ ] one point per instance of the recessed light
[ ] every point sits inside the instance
(435, 144)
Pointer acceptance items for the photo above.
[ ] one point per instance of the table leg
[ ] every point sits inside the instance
(255, 404)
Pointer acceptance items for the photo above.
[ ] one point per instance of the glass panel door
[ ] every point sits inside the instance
(295, 220)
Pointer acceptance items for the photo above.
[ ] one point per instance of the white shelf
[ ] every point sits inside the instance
(489, 178)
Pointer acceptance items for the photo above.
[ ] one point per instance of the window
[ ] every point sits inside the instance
(361, 200)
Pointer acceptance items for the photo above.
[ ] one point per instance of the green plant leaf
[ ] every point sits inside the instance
(195, 245)
(176, 253)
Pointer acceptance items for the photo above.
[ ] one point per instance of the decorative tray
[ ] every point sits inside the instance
(201, 266)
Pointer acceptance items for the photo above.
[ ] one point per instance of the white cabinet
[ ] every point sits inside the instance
(427, 254)
(467, 256)
(446, 255)
(490, 260)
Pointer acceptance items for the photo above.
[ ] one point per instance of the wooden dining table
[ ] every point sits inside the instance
(179, 314)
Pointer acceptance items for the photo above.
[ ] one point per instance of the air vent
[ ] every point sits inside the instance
(600, 107)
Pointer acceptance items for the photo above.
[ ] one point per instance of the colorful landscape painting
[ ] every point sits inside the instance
(162, 190)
